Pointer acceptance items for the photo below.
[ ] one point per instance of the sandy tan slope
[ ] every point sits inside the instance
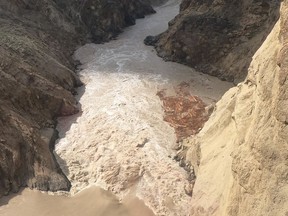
(241, 154)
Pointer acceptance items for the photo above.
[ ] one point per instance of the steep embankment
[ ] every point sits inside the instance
(218, 37)
(37, 79)
(240, 156)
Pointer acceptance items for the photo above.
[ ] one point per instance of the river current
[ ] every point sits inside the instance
(119, 141)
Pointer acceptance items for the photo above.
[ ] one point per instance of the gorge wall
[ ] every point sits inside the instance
(37, 40)
(218, 37)
(240, 155)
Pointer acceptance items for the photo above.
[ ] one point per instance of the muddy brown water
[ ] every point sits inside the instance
(93, 201)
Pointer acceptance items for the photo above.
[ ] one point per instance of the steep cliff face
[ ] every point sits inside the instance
(105, 19)
(36, 86)
(37, 39)
(240, 156)
(218, 37)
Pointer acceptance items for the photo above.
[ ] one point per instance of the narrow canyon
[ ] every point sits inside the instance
(182, 112)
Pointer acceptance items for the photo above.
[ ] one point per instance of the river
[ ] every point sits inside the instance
(119, 141)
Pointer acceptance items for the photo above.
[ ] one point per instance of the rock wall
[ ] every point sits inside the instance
(240, 156)
(218, 37)
(37, 39)
(105, 19)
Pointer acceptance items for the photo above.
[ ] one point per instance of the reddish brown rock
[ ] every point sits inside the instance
(184, 112)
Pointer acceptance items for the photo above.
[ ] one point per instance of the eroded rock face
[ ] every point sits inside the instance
(218, 37)
(36, 86)
(240, 156)
(158, 2)
(37, 40)
(105, 19)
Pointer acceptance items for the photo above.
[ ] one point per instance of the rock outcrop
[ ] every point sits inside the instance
(218, 37)
(240, 156)
(37, 39)
(105, 19)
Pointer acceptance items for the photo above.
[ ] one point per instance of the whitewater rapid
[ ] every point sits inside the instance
(120, 111)
(118, 142)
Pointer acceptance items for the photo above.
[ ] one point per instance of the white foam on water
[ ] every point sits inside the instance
(120, 111)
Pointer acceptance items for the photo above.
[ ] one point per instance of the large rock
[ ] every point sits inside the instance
(240, 156)
(218, 37)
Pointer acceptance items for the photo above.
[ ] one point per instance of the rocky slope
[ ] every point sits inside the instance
(37, 79)
(240, 156)
(218, 37)
(105, 19)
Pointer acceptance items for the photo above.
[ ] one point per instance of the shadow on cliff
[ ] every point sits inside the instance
(6, 199)
(67, 122)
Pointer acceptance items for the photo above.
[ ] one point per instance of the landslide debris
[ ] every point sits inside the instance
(184, 112)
